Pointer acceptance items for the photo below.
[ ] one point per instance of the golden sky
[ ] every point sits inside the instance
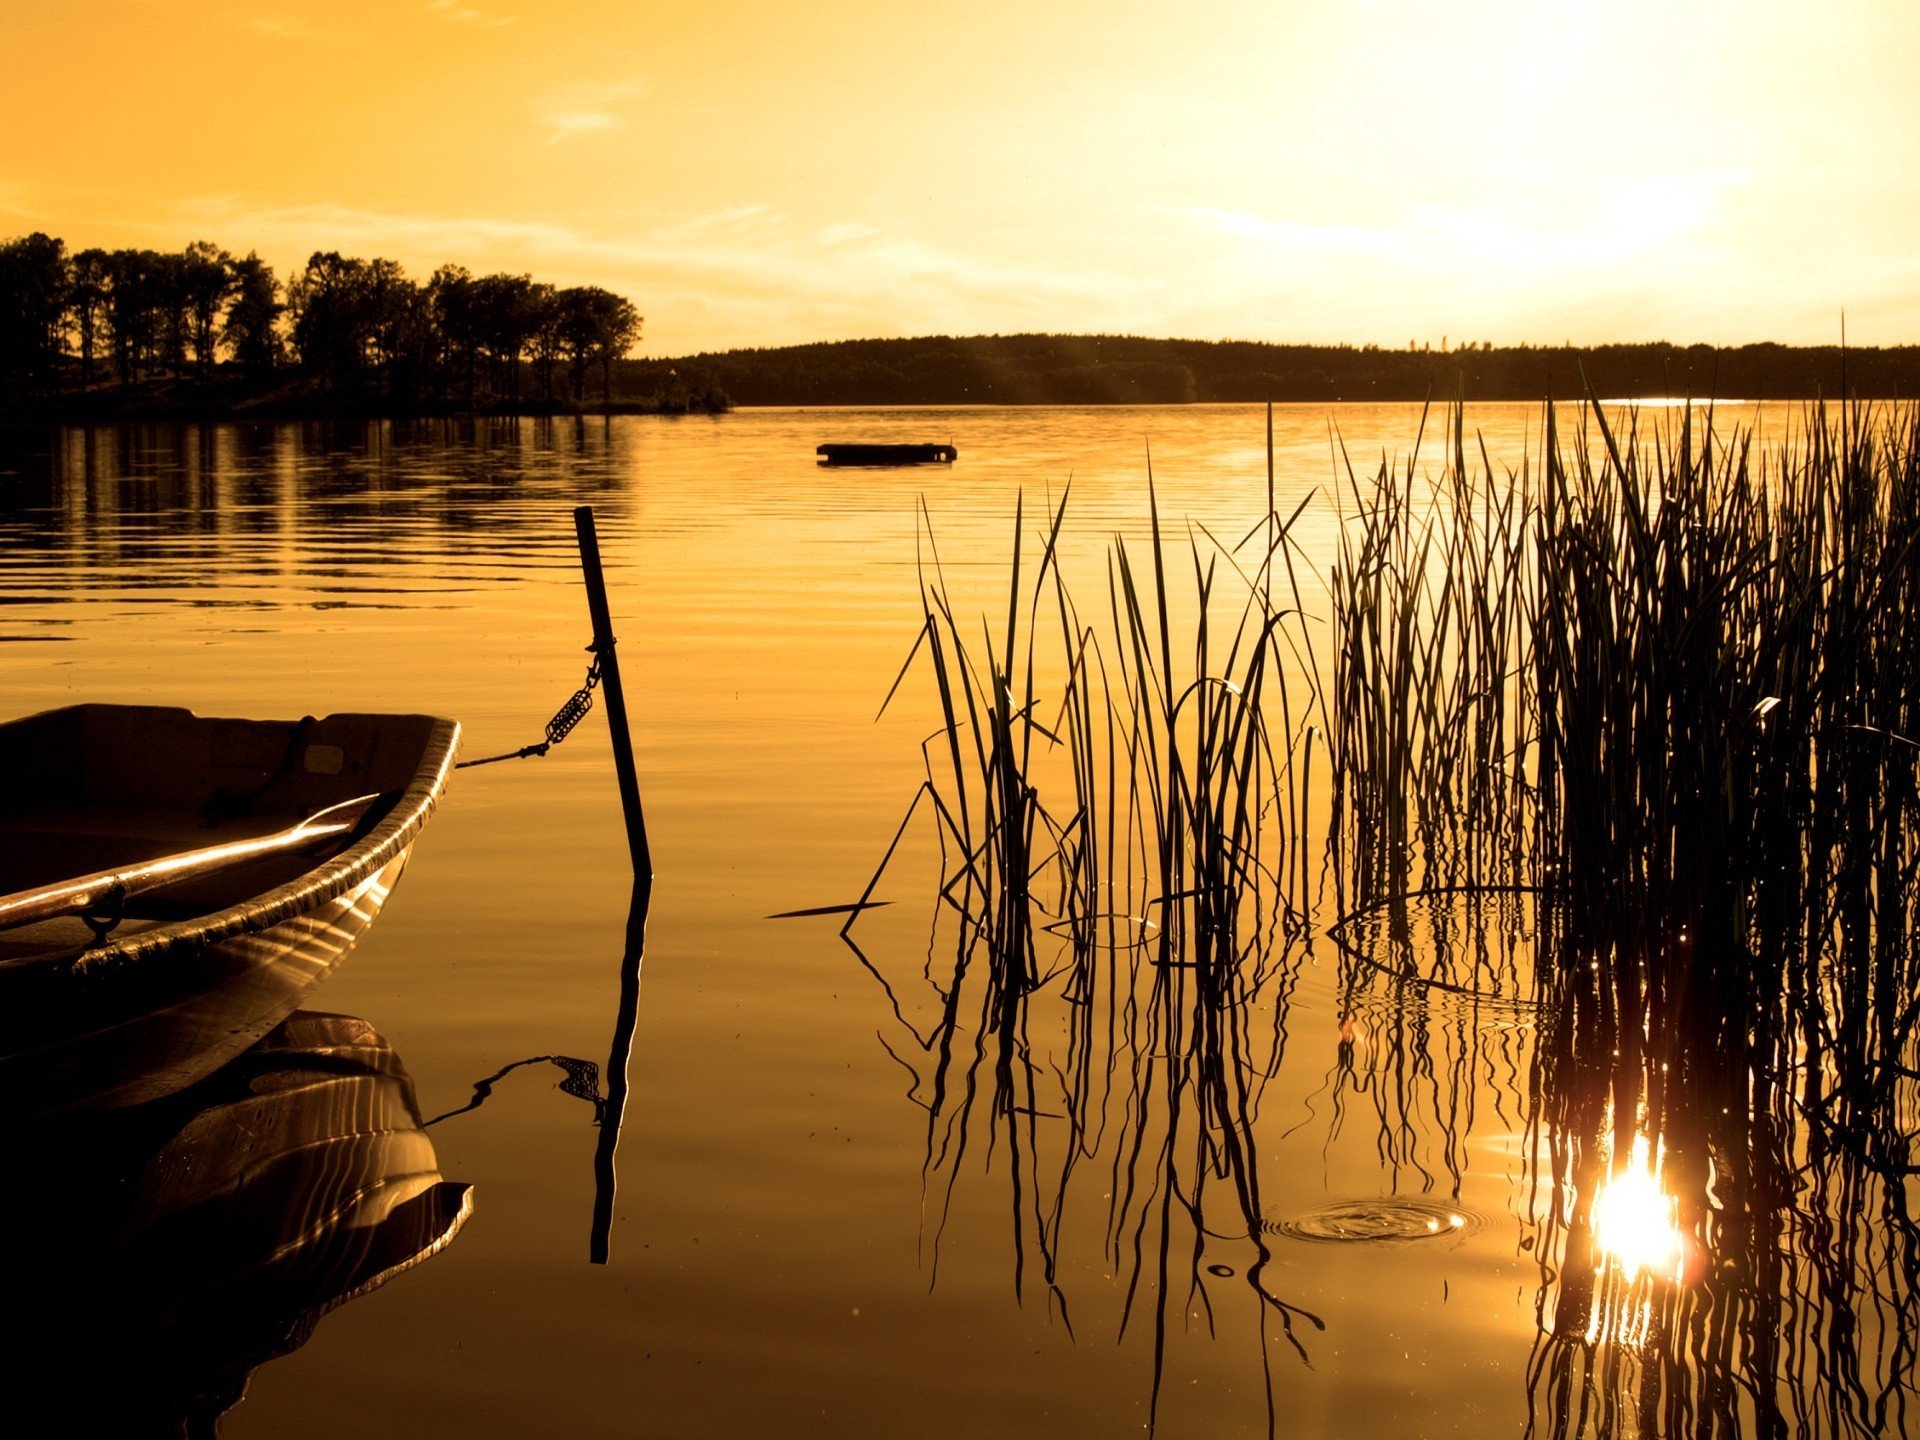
(765, 173)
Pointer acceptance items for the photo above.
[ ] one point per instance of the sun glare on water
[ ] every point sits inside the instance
(1636, 1224)
(1639, 1250)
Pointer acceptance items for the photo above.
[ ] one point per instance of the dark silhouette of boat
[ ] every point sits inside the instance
(164, 1252)
(178, 884)
(853, 454)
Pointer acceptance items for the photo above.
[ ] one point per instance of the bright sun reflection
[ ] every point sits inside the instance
(1636, 1224)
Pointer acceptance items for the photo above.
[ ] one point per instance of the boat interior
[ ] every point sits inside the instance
(92, 788)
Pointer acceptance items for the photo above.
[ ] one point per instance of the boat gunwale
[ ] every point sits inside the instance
(309, 890)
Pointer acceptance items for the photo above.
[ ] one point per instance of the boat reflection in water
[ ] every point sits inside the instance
(166, 1251)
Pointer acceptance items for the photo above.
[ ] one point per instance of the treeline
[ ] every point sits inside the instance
(200, 330)
(1107, 369)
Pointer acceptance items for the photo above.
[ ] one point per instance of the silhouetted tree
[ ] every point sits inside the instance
(450, 295)
(333, 309)
(87, 305)
(206, 284)
(130, 310)
(350, 323)
(33, 301)
(506, 317)
(402, 330)
(573, 320)
(595, 324)
(253, 318)
(172, 302)
(546, 339)
(359, 320)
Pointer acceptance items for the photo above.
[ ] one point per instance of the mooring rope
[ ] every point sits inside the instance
(559, 727)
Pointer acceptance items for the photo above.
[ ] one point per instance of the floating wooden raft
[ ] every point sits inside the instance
(887, 454)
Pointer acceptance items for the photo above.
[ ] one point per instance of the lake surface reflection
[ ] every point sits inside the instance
(861, 1193)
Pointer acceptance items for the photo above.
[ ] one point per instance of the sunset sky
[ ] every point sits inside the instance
(767, 173)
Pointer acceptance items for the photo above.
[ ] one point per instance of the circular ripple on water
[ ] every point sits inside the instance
(1392, 1219)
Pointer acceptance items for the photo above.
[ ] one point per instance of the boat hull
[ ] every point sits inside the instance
(117, 1038)
(183, 980)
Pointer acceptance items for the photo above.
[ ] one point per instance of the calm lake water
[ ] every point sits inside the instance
(799, 1246)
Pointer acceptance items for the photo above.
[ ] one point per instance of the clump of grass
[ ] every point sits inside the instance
(1669, 685)
(1143, 821)
(1430, 710)
(1182, 754)
(1663, 687)
(1211, 737)
(1673, 685)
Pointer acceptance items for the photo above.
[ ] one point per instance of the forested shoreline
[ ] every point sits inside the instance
(1109, 369)
(201, 333)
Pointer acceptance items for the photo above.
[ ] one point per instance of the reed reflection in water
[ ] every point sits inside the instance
(1671, 691)
(1645, 734)
(1121, 970)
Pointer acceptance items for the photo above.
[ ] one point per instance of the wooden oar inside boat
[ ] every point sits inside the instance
(105, 891)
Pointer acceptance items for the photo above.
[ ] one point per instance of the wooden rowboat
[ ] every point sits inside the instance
(856, 454)
(164, 898)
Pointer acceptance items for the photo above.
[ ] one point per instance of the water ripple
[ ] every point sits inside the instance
(1392, 1219)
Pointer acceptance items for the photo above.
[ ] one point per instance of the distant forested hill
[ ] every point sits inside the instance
(1111, 369)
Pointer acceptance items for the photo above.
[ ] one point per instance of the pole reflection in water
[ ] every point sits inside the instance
(609, 1115)
(165, 1252)
(581, 1078)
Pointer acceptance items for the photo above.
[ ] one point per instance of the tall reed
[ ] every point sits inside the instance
(1125, 859)
(1670, 688)
(1657, 688)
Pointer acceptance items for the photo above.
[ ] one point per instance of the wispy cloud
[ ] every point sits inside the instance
(278, 27)
(588, 106)
(745, 275)
(754, 273)
(735, 220)
(14, 201)
(458, 12)
(1296, 237)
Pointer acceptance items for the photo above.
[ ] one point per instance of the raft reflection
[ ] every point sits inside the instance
(166, 1252)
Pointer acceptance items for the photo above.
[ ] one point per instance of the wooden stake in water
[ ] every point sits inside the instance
(603, 646)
